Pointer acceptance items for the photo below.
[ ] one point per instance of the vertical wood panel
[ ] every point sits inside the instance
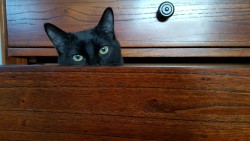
(3, 31)
(4, 38)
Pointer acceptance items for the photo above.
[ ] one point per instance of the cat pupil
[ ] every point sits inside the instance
(78, 58)
(104, 50)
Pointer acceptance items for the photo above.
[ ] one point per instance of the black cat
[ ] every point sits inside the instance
(97, 46)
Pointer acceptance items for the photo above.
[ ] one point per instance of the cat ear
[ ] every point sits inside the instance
(106, 23)
(56, 35)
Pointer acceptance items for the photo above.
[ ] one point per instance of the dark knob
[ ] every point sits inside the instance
(165, 10)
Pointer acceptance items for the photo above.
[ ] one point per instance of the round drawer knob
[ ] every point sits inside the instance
(165, 10)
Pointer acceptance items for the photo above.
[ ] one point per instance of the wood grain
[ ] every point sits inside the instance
(146, 52)
(124, 103)
(3, 30)
(4, 39)
(217, 23)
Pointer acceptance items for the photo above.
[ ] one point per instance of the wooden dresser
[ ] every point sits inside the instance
(196, 29)
(207, 100)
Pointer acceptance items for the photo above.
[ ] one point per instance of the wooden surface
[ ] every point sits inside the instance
(3, 32)
(147, 52)
(197, 23)
(4, 39)
(197, 28)
(124, 103)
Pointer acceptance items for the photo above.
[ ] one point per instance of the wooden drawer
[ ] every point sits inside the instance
(45, 103)
(195, 23)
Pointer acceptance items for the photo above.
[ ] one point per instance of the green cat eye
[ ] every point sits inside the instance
(104, 50)
(77, 58)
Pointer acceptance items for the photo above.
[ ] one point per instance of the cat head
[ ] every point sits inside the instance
(93, 47)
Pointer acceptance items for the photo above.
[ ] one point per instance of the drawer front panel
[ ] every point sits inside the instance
(198, 23)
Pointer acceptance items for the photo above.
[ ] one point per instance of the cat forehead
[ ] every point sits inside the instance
(90, 37)
(85, 35)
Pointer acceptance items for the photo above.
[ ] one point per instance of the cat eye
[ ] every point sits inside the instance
(77, 58)
(104, 50)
